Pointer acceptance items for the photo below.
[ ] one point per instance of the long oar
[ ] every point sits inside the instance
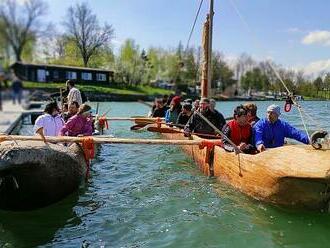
(237, 150)
(143, 121)
(145, 103)
(102, 140)
(172, 130)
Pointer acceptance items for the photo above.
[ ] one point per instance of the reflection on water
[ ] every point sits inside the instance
(28, 229)
(154, 196)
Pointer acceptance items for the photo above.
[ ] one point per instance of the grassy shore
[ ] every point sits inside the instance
(94, 88)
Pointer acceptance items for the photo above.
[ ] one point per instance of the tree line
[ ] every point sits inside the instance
(85, 42)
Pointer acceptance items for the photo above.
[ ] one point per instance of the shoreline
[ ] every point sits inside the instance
(42, 94)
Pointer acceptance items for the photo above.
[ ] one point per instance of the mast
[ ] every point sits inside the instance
(207, 54)
(209, 59)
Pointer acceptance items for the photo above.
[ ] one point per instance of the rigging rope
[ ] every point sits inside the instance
(290, 94)
(193, 26)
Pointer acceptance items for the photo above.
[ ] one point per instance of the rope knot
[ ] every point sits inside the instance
(210, 144)
(88, 148)
(103, 122)
(159, 122)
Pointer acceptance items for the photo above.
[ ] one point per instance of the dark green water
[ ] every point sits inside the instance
(154, 196)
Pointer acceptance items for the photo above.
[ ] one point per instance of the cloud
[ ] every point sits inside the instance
(21, 2)
(316, 67)
(321, 37)
(294, 30)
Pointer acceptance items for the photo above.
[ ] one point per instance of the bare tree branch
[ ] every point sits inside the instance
(21, 23)
(88, 35)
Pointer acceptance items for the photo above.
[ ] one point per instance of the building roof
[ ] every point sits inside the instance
(61, 67)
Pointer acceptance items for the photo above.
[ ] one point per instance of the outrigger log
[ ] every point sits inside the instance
(38, 171)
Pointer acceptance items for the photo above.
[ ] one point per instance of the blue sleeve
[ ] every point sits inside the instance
(258, 131)
(167, 116)
(293, 133)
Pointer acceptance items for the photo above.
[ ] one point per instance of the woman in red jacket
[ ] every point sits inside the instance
(239, 131)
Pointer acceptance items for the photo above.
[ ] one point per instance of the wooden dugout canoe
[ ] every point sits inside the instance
(34, 175)
(292, 175)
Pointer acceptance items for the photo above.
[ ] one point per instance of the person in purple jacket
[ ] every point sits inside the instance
(271, 131)
(79, 124)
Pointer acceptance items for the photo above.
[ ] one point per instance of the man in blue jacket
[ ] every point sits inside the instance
(271, 131)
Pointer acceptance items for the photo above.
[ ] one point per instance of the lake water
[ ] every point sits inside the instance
(154, 196)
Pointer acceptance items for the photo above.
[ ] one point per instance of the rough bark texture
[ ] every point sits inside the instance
(34, 175)
(292, 175)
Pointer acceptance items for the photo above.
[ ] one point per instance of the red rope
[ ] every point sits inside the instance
(210, 144)
(159, 122)
(88, 148)
(103, 122)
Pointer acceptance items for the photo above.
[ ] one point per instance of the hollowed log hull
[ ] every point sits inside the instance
(34, 175)
(293, 175)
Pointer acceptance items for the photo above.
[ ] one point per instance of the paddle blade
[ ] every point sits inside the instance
(138, 126)
(163, 130)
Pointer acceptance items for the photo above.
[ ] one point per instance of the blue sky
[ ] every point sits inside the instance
(294, 33)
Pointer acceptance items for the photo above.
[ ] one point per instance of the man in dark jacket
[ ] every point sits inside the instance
(220, 117)
(185, 114)
(198, 125)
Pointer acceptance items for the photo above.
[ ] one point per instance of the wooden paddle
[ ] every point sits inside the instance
(143, 121)
(173, 130)
(101, 140)
(145, 103)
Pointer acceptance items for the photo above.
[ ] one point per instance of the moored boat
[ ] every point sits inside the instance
(34, 174)
(292, 175)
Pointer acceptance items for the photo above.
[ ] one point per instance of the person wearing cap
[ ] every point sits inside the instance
(220, 117)
(198, 125)
(239, 132)
(159, 110)
(185, 114)
(173, 112)
(271, 131)
(50, 121)
(79, 124)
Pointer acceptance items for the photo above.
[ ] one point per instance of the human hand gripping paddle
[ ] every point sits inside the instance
(236, 148)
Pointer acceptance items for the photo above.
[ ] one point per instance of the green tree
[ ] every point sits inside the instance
(21, 25)
(221, 72)
(129, 63)
(255, 80)
(318, 83)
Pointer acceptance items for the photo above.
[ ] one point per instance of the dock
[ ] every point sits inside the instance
(12, 115)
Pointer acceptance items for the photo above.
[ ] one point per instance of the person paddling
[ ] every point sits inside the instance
(271, 131)
(198, 125)
(239, 132)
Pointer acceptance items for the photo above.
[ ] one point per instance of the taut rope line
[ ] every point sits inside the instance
(290, 95)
